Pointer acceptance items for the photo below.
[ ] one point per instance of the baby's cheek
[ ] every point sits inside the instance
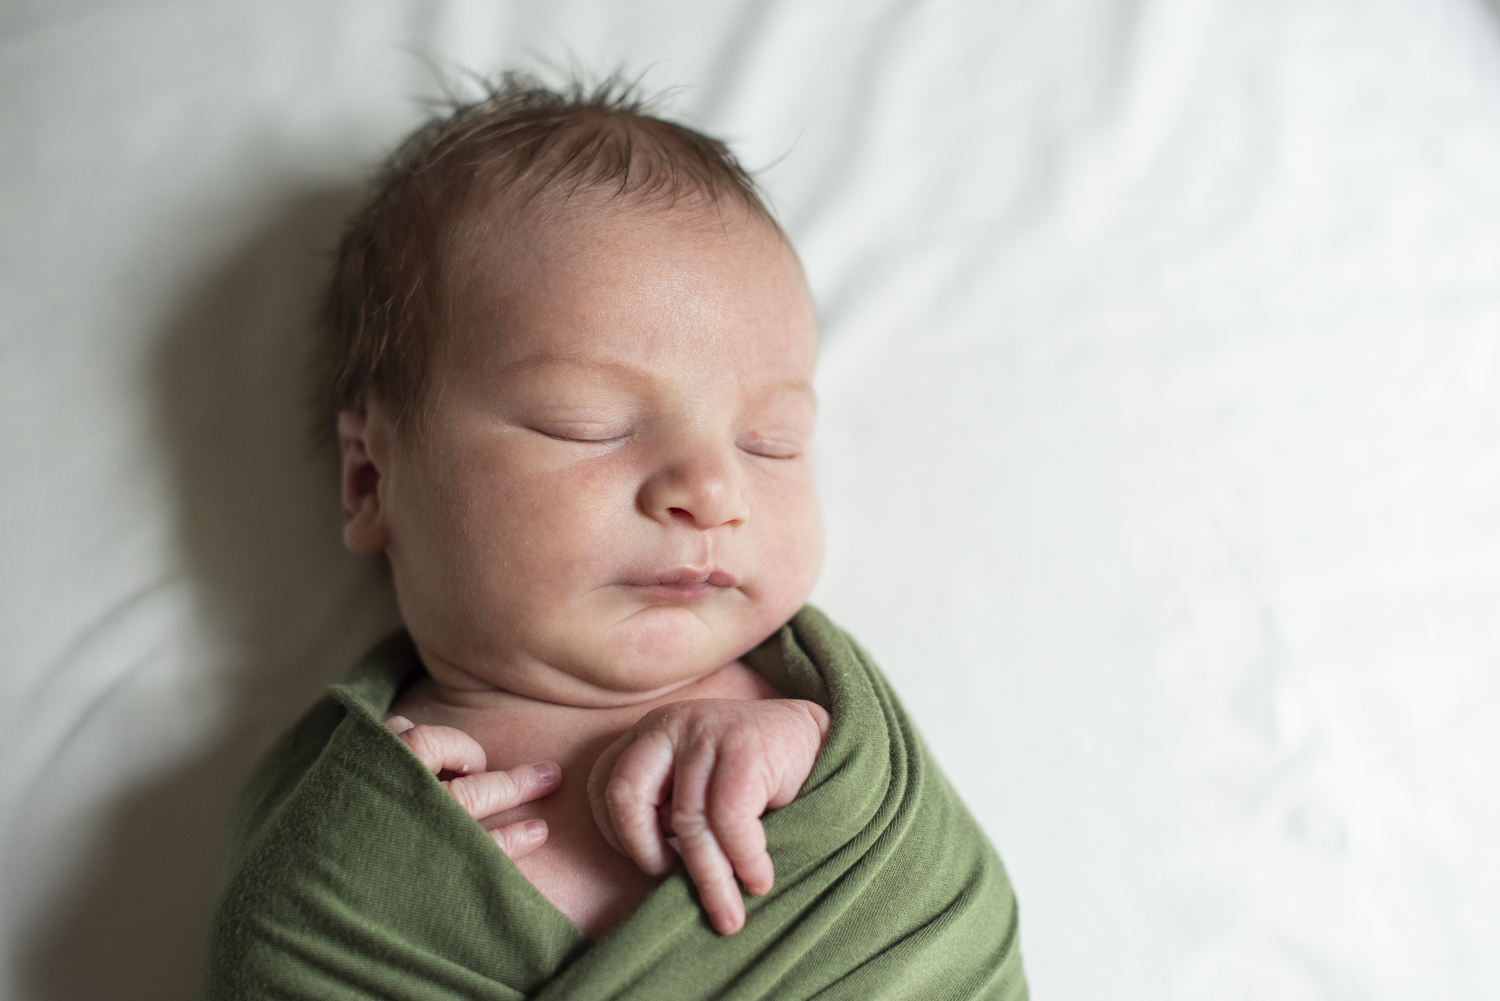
(793, 555)
(554, 514)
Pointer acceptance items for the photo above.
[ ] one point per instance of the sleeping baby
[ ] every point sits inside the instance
(569, 356)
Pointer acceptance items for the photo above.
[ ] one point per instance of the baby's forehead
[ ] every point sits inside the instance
(513, 228)
(651, 289)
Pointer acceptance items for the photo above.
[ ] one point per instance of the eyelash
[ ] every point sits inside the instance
(584, 441)
(792, 450)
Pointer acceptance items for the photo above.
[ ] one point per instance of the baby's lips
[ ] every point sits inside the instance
(688, 577)
(682, 585)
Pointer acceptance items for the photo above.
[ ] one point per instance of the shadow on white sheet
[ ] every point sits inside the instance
(263, 569)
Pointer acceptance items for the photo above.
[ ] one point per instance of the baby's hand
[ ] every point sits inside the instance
(482, 793)
(705, 770)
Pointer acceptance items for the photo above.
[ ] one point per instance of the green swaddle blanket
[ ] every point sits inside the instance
(351, 873)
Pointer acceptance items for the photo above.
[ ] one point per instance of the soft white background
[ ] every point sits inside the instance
(1161, 408)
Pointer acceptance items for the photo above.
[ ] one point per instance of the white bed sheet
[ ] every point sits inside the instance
(1159, 444)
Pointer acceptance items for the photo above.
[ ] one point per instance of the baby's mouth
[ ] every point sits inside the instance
(682, 584)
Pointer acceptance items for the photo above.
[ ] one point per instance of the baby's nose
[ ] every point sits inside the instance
(701, 488)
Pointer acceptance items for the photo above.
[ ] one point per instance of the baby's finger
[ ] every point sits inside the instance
(442, 748)
(489, 793)
(635, 788)
(799, 752)
(735, 802)
(711, 873)
(397, 724)
(604, 767)
(521, 838)
(705, 860)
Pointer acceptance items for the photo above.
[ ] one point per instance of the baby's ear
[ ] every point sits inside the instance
(362, 448)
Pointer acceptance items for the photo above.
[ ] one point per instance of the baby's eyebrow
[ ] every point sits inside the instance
(632, 373)
(800, 387)
(548, 360)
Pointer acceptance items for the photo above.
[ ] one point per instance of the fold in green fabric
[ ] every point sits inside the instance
(351, 873)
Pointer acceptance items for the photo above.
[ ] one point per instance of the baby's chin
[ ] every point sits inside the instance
(599, 654)
(667, 645)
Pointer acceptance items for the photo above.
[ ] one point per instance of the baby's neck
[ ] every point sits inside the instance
(487, 686)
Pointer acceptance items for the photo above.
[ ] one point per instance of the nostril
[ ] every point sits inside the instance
(679, 512)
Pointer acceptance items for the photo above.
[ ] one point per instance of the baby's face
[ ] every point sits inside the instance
(612, 493)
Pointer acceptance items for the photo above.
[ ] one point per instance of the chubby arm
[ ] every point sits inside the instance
(705, 770)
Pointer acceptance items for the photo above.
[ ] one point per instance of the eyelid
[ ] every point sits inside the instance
(587, 433)
(769, 448)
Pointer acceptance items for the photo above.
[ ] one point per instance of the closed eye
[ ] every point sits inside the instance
(584, 434)
(769, 448)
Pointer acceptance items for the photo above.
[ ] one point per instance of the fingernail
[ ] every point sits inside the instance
(547, 771)
(535, 829)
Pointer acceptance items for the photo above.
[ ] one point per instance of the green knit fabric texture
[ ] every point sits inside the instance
(351, 873)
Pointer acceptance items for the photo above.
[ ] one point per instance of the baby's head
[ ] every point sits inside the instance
(570, 356)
